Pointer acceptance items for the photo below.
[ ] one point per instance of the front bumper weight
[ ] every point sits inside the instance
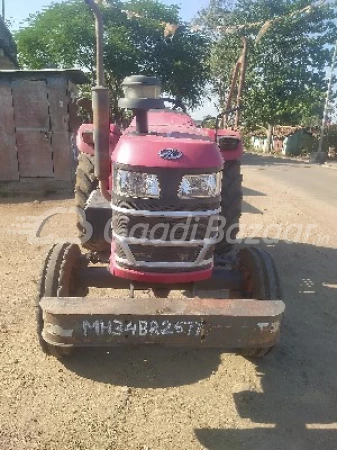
(225, 323)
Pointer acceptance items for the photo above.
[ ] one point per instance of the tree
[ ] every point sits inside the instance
(286, 66)
(62, 36)
(209, 122)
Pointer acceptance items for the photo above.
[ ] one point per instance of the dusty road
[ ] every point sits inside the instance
(153, 399)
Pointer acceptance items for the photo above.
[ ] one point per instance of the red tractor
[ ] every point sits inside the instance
(159, 206)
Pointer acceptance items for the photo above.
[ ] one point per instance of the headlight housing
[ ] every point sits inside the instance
(228, 143)
(200, 186)
(136, 184)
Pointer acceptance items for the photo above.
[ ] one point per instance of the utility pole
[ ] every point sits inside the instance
(243, 67)
(240, 68)
(319, 157)
(3, 10)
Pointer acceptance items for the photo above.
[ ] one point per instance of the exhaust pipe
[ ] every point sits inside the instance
(100, 107)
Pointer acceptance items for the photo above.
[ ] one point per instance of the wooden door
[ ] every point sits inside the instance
(59, 120)
(9, 169)
(33, 128)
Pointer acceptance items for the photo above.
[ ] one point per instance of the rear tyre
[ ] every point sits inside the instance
(86, 184)
(58, 279)
(231, 205)
(261, 282)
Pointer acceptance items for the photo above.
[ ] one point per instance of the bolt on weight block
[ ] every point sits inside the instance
(225, 323)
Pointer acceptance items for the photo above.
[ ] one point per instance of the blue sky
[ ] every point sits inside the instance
(18, 10)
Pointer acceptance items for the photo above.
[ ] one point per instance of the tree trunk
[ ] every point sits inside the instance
(269, 142)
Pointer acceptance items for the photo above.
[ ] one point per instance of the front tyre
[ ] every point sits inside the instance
(86, 184)
(261, 282)
(231, 205)
(58, 279)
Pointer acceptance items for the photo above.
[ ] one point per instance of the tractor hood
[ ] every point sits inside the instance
(195, 150)
(167, 117)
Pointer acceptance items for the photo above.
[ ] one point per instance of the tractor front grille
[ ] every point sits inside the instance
(159, 254)
(157, 205)
(162, 228)
(167, 234)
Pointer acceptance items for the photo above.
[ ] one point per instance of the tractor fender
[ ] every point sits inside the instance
(230, 155)
(85, 141)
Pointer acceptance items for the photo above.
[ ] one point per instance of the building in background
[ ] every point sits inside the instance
(38, 124)
(287, 140)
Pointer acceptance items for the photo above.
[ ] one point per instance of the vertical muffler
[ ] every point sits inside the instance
(101, 110)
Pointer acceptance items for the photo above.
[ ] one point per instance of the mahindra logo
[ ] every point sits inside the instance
(170, 154)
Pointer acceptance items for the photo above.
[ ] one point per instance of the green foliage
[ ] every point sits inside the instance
(286, 69)
(209, 122)
(62, 36)
(331, 137)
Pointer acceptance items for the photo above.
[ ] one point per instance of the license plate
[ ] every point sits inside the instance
(144, 328)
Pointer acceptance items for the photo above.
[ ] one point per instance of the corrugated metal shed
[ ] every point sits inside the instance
(288, 140)
(74, 75)
(301, 141)
(38, 119)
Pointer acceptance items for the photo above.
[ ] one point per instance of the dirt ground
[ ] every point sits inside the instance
(154, 398)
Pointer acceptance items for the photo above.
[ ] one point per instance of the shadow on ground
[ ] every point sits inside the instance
(145, 367)
(296, 409)
(250, 209)
(294, 412)
(248, 192)
(246, 206)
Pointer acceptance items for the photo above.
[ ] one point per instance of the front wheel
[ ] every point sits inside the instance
(261, 282)
(86, 184)
(58, 279)
(231, 205)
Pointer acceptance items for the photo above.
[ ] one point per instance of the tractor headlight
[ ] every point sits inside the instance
(228, 143)
(136, 184)
(200, 186)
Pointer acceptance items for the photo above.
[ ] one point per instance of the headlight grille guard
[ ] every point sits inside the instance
(138, 251)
